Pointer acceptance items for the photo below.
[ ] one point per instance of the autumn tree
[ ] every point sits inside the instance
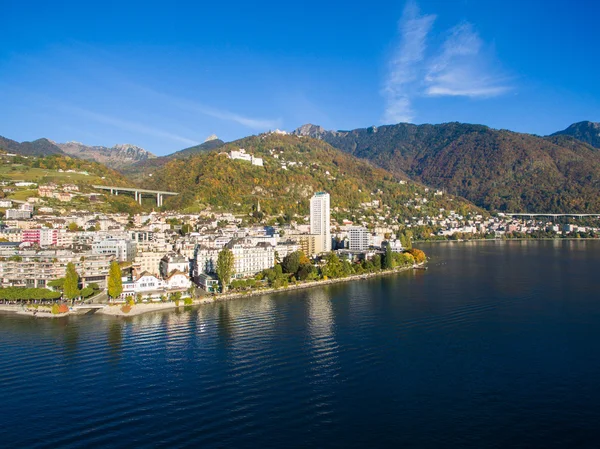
(71, 284)
(225, 268)
(115, 283)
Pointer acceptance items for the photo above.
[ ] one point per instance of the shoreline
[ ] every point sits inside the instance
(139, 309)
(558, 239)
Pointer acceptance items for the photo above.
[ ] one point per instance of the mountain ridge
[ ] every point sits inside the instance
(495, 169)
(586, 131)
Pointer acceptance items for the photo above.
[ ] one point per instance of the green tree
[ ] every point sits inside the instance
(333, 268)
(388, 259)
(291, 262)
(71, 285)
(225, 267)
(73, 227)
(115, 283)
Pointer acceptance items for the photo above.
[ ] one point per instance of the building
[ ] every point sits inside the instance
(123, 250)
(178, 280)
(358, 238)
(204, 262)
(17, 214)
(5, 203)
(320, 217)
(242, 155)
(208, 282)
(173, 262)
(249, 259)
(30, 268)
(310, 244)
(41, 237)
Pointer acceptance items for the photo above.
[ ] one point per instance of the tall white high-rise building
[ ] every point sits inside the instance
(320, 218)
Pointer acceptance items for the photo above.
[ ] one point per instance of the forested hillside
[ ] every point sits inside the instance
(496, 169)
(294, 168)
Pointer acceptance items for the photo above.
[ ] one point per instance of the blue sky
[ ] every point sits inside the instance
(166, 75)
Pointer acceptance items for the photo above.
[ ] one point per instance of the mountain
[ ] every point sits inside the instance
(39, 147)
(292, 169)
(495, 169)
(209, 144)
(117, 157)
(142, 169)
(588, 132)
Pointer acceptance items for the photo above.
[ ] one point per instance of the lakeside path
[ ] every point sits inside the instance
(138, 309)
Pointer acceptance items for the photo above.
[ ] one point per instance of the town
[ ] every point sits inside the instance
(164, 255)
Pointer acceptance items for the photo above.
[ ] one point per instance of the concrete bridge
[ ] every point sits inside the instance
(524, 214)
(138, 193)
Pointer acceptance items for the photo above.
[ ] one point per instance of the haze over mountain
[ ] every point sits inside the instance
(496, 169)
(139, 170)
(117, 157)
(588, 132)
(39, 147)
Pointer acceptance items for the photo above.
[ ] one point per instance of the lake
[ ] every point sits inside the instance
(493, 346)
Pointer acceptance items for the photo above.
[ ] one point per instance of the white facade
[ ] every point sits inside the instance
(178, 281)
(358, 238)
(123, 250)
(249, 259)
(320, 217)
(173, 262)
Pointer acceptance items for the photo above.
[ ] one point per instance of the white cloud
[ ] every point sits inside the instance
(260, 124)
(404, 65)
(462, 66)
(128, 125)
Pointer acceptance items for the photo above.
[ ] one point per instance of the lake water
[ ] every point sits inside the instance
(496, 345)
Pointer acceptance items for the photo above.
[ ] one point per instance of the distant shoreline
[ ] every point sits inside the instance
(507, 240)
(139, 309)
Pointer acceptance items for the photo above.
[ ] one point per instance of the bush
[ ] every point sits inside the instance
(55, 309)
(130, 301)
(188, 301)
(177, 303)
(126, 309)
(63, 308)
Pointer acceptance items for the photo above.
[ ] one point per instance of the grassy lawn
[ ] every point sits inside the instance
(23, 173)
(22, 195)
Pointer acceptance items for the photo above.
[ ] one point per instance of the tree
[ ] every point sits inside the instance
(86, 292)
(57, 283)
(291, 262)
(333, 268)
(73, 227)
(388, 259)
(418, 255)
(225, 267)
(71, 285)
(115, 283)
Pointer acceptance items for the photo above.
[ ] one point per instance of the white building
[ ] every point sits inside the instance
(249, 259)
(123, 250)
(358, 238)
(320, 217)
(178, 280)
(242, 155)
(173, 262)
(17, 214)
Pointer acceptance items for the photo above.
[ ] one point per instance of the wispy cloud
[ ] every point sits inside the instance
(255, 123)
(463, 66)
(127, 125)
(404, 64)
